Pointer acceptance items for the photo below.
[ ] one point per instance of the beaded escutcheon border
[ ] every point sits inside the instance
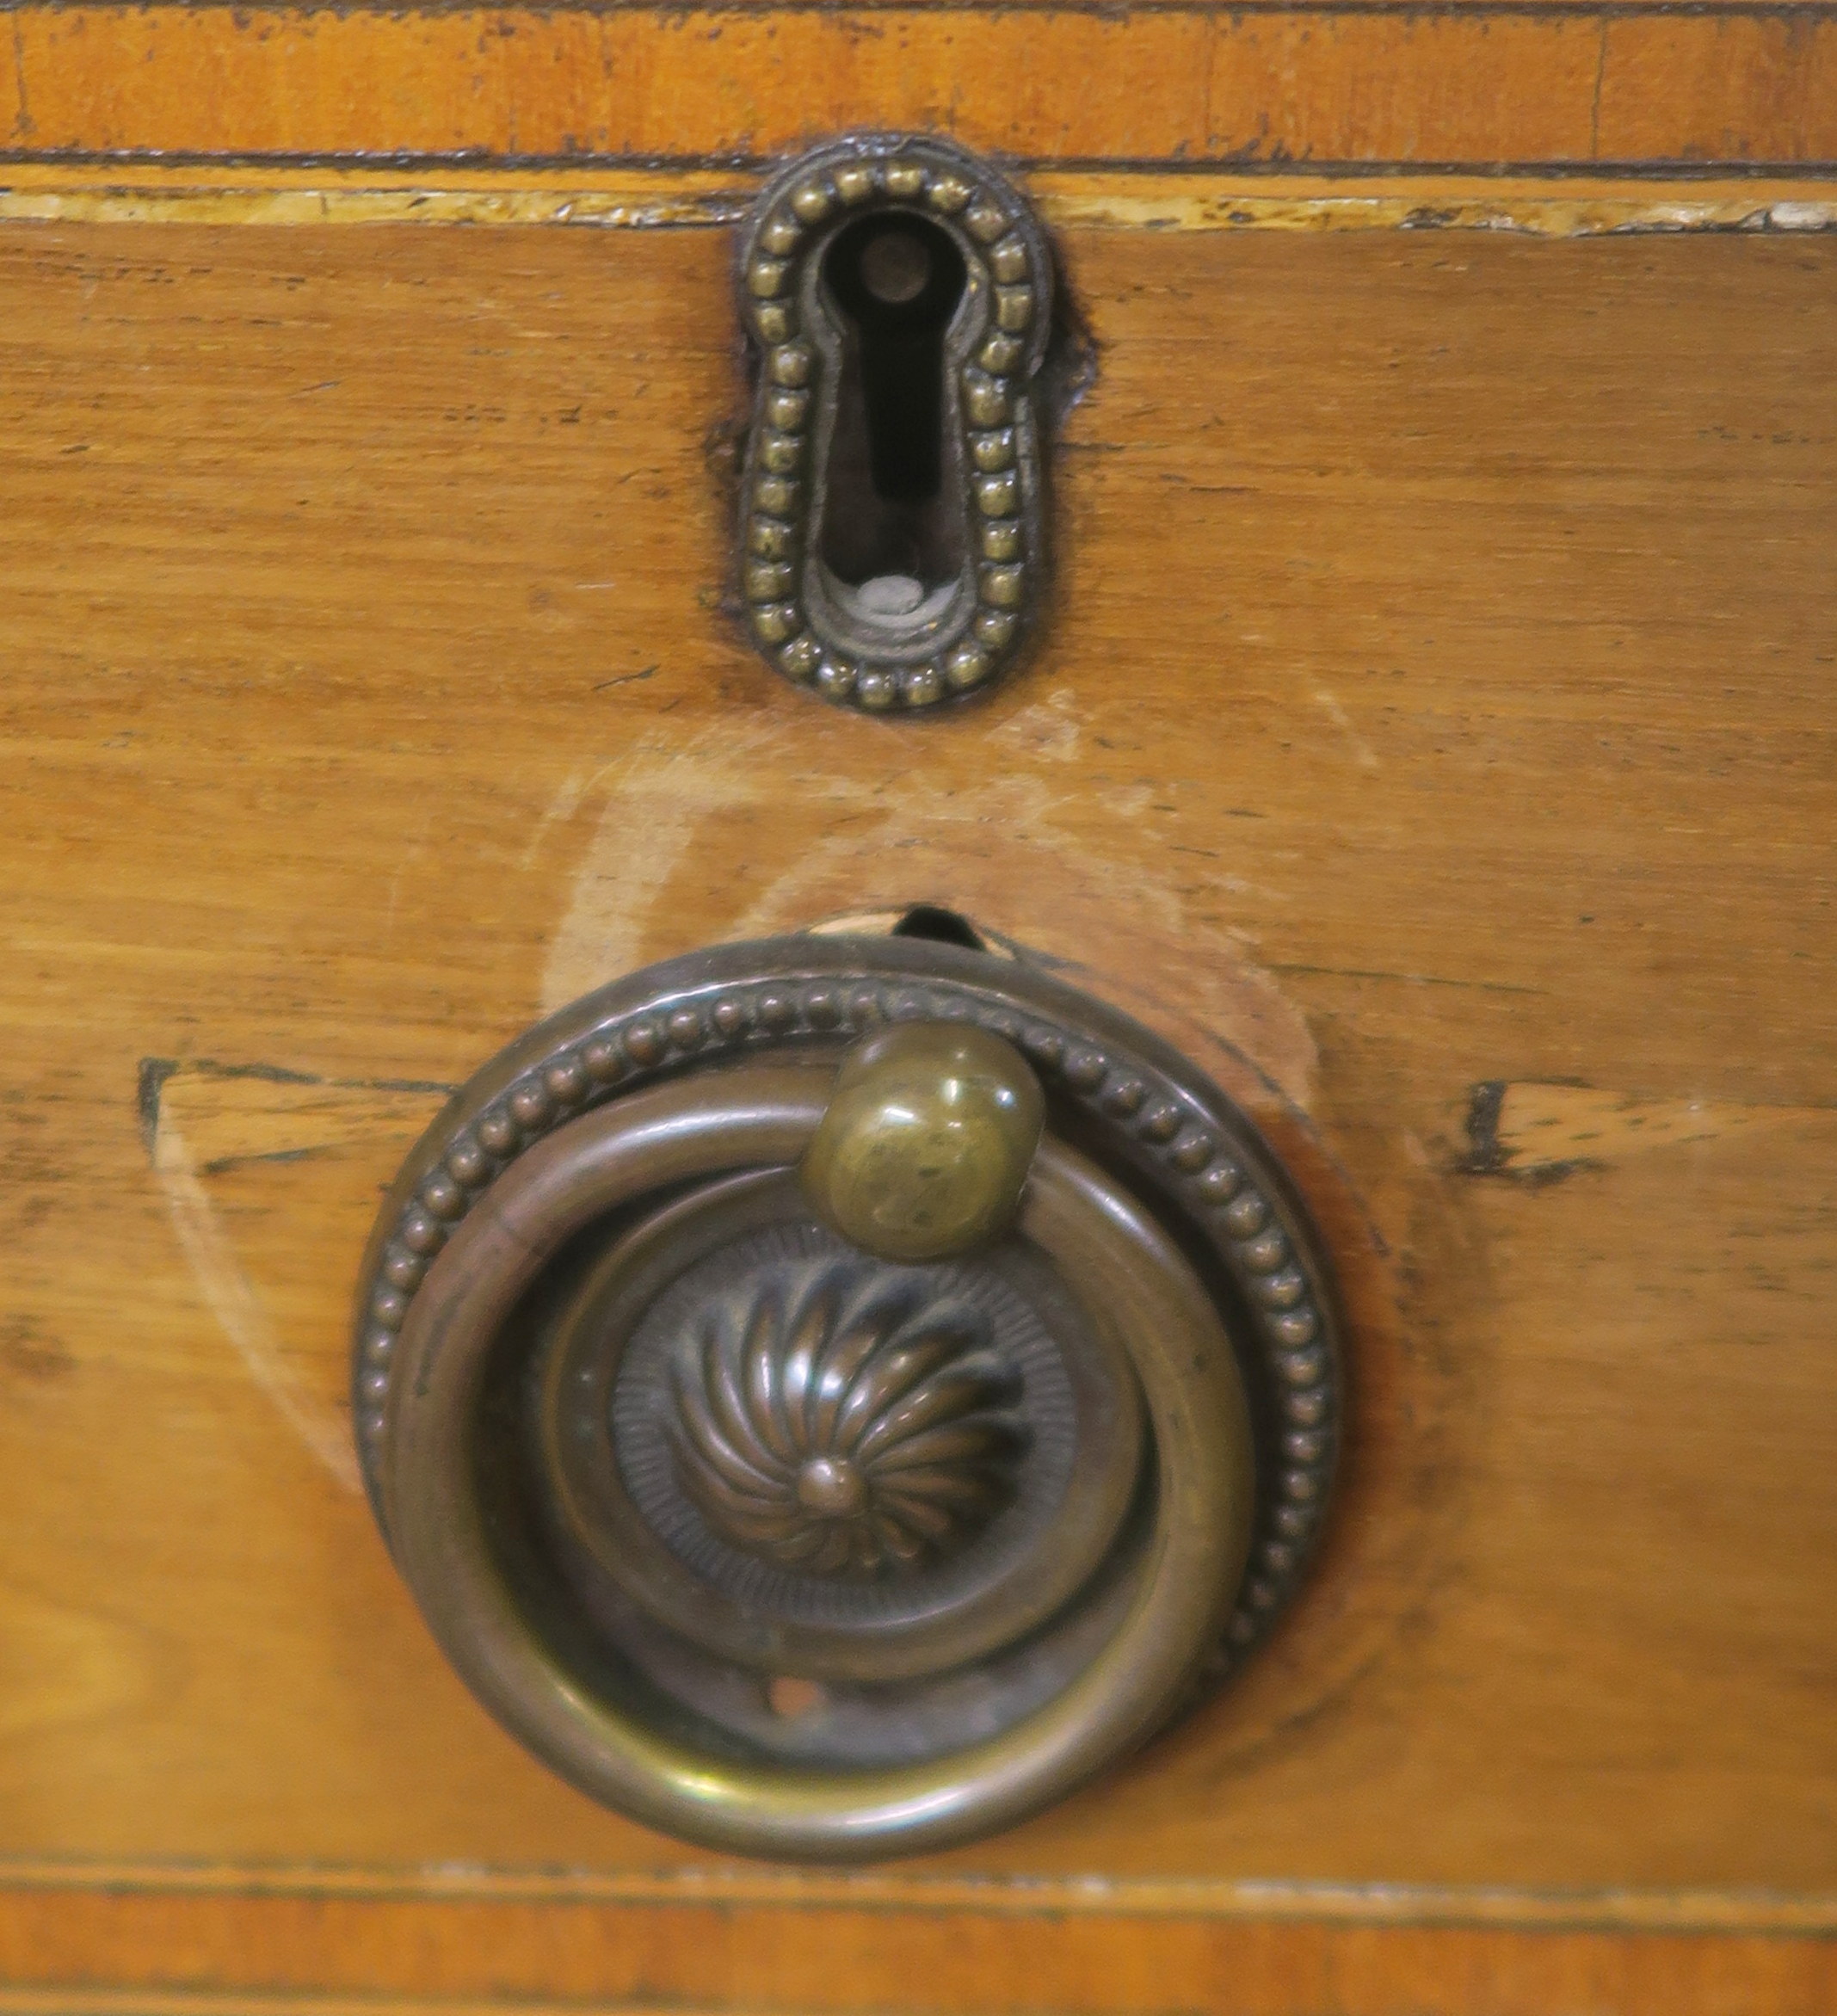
(993, 350)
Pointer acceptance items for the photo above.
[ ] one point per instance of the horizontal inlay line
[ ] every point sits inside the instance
(1685, 1910)
(1541, 207)
(1794, 11)
(739, 174)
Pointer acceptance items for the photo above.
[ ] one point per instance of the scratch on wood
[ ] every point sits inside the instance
(203, 1118)
(1363, 753)
(626, 679)
(562, 806)
(231, 1299)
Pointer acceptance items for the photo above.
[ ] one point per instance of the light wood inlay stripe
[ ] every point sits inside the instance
(676, 199)
(1680, 1910)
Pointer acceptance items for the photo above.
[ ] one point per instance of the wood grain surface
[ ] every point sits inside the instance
(1468, 84)
(1432, 730)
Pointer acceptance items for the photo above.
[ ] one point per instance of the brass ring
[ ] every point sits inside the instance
(567, 1706)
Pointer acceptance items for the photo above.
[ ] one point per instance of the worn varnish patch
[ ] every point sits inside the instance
(1017, 856)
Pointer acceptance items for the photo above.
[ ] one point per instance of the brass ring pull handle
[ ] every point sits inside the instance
(830, 1397)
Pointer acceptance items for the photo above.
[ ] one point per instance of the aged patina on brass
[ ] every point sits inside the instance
(927, 1141)
(830, 1397)
(897, 293)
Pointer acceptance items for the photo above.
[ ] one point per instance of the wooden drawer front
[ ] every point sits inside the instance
(1433, 727)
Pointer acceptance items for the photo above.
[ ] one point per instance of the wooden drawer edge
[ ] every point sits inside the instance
(152, 1952)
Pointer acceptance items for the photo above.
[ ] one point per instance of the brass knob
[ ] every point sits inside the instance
(831, 1396)
(926, 1141)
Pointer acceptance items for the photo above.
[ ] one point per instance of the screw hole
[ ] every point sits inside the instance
(791, 1698)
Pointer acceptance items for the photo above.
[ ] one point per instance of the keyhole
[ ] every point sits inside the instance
(890, 535)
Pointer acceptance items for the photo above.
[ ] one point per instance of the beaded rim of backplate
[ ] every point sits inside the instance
(1179, 1130)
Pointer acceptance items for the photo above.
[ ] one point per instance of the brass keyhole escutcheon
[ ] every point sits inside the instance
(897, 293)
(831, 1395)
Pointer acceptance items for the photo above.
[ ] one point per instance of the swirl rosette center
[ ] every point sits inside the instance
(844, 1418)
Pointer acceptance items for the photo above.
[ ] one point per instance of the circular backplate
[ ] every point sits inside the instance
(796, 1550)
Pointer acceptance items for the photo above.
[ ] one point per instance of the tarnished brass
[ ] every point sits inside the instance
(878, 1432)
(927, 1141)
(897, 292)
(998, 1455)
